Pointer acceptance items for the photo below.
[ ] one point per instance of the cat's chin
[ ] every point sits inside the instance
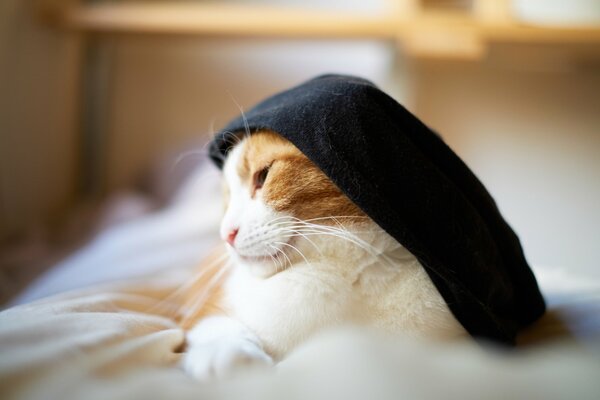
(259, 266)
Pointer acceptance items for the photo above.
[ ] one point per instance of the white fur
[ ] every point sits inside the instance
(218, 346)
(322, 281)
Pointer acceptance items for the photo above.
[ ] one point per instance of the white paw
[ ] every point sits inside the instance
(223, 358)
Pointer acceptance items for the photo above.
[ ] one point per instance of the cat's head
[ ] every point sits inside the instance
(278, 204)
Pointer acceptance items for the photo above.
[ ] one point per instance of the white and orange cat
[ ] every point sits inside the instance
(301, 257)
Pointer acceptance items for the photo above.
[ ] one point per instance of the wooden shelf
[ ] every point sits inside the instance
(420, 32)
(221, 20)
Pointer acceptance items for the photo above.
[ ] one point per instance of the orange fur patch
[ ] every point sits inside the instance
(294, 184)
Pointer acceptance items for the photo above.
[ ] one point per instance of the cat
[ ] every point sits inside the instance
(301, 257)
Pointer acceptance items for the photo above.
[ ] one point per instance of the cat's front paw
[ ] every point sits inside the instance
(223, 358)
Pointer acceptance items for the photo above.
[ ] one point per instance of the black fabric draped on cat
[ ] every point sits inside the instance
(401, 174)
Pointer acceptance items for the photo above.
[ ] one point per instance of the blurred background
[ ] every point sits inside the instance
(98, 98)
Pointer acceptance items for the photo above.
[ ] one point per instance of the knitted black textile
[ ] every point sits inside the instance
(401, 174)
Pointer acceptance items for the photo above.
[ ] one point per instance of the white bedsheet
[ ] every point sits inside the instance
(107, 343)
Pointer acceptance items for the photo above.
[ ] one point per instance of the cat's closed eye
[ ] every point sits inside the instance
(260, 177)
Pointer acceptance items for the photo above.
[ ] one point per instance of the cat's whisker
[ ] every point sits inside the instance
(185, 155)
(316, 233)
(215, 280)
(278, 228)
(205, 146)
(295, 248)
(371, 250)
(337, 217)
(182, 290)
(342, 231)
(293, 220)
(296, 233)
(246, 125)
(211, 125)
(285, 255)
(284, 217)
(274, 260)
(232, 137)
(202, 151)
(279, 264)
(293, 225)
(346, 235)
(218, 154)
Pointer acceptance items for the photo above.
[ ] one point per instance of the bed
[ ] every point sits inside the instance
(89, 328)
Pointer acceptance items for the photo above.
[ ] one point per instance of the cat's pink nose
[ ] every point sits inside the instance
(231, 236)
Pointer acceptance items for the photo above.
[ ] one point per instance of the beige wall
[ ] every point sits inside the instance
(38, 75)
(528, 122)
(167, 91)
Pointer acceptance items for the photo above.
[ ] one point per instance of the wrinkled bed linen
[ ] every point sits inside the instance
(110, 342)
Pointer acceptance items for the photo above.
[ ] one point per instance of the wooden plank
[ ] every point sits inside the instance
(223, 20)
(535, 34)
(492, 11)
